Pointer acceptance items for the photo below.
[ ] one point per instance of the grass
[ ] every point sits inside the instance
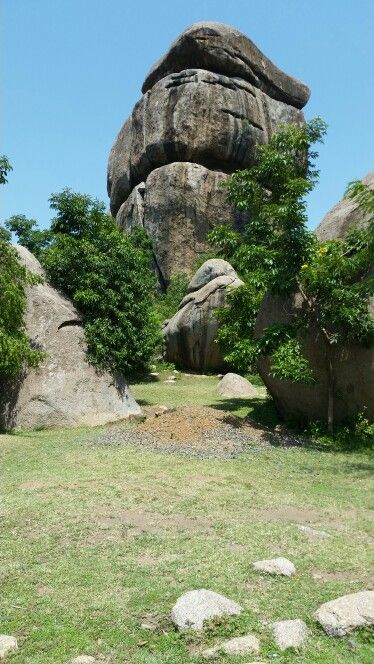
(97, 540)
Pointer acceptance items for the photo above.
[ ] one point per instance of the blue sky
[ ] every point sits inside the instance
(72, 71)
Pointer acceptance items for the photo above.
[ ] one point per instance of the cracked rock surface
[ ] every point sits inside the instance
(206, 105)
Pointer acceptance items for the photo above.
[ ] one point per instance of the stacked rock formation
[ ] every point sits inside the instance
(65, 390)
(190, 336)
(353, 364)
(206, 104)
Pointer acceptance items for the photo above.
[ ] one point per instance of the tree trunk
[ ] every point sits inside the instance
(330, 392)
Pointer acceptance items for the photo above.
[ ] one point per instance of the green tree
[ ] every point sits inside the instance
(15, 348)
(28, 234)
(108, 276)
(278, 255)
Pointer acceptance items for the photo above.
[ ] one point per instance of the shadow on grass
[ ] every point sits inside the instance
(260, 410)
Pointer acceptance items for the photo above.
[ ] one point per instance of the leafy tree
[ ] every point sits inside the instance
(277, 254)
(28, 234)
(15, 348)
(107, 275)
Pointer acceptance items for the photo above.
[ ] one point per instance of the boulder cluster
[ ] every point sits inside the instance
(206, 104)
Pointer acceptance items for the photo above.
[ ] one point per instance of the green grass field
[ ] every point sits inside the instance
(97, 540)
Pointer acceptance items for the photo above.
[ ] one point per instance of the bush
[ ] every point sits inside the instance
(15, 348)
(167, 303)
(108, 276)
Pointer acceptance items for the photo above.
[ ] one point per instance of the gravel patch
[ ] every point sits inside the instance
(199, 432)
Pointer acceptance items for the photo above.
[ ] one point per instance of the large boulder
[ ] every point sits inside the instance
(353, 369)
(195, 116)
(225, 50)
(178, 205)
(190, 336)
(353, 364)
(65, 390)
(345, 614)
(344, 215)
(207, 104)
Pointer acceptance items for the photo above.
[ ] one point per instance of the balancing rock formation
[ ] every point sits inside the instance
(190, 335)
(206, 104)
(65, 390)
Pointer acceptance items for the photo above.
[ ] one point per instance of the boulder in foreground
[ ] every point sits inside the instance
(65, 390)
(233, 386)
(345, 614)
(196, 606)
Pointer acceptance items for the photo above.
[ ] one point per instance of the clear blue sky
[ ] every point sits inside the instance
(72, 70)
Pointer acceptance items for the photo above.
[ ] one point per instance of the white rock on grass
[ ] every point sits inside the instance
(344, 614)
(290, 633)
(280, 566)
(8, 644)
(194, 607)
(233, 386)
(242, 645)
(83, 659)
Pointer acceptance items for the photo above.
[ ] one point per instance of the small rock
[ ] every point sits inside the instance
(170, 380)
(290, 633)
(154, 375)
(8, 644)
(281, 566)
(83, 659)
(312, 532)
(242, 645)
(344, 614)
(233, 386)
(194, 607)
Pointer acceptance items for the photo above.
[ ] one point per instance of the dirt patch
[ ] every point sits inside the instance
(287, 513)
(32, 485)
(152, 522)
(350, 577)
(198, 431)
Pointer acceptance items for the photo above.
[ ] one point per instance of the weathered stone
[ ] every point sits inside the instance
(215, 267)
(290, 633)
(220, 48)
(196, 606)
(190, 335)
(242, 645)
(353, 371)
(233, 386)
(83, 659)
(312, 532)
(278, 566)
(344, 216)
(345, 614)
(8, 644)
(180, 204)
(65, 390)
(193, 116)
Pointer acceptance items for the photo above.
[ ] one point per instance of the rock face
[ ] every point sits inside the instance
(353, 364)
(190, 335)
(343, 216)
(241, 645)
(290, 633)
(233, 386)
(206, 105)
(8, 644)
(64, 390)
(344, 614)
(196, 606)
(277, 566)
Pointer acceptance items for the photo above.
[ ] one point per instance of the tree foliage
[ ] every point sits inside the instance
(108, 276)
(15, 348)
(278, 255)
(28, 234)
